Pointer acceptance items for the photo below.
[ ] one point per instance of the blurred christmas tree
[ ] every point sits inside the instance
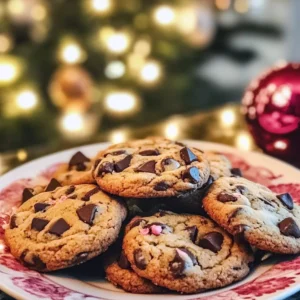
(67, 65)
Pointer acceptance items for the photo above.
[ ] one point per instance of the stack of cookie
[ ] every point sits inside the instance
(213, 219)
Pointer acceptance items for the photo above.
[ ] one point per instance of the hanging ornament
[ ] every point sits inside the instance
(196, 22)
(271, 105)
(71, 89)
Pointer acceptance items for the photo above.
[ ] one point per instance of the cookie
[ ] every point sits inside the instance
(220, 165)
(120, 274)
(185, 253)
(266, 220)
(154, 167)
(64, 227)
(77, 171)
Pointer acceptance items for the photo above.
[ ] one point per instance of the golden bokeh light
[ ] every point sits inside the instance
(118, 42)
(118, 136)
(164, 15)
(228, 117)
(244, 141)
(72, 122)
(101, 6)
(22, 155)
(142, 47)
(151, 72)
(115, 69)
(10, 69)
(171, 130)
(26, 99)
(6, 43)
(71, 52)
(122, 102)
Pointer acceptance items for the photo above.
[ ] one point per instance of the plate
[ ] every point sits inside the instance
(274, 279)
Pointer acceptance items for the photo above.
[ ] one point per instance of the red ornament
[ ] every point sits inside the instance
(271, 106)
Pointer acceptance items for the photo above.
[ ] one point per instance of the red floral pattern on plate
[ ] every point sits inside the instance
(38, 285)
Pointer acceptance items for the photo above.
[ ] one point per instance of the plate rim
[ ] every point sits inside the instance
(288, 291)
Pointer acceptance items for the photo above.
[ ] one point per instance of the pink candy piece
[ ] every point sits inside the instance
(156, 229)
(144, 231)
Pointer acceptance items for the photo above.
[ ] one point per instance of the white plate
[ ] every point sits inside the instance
(272, 280)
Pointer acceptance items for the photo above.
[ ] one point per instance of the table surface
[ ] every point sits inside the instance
(223, 125)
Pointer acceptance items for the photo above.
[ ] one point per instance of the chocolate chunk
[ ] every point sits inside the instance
(123, 261)
(90, 193)
(87, 213)
(224, 197)
(70, 190)
(192, 175)
(241, 189)
(38, 264)
(289, 227)
(193, 232)
(105, 168)
(179, 264)
(38, 224)
(80, 167)
(136, 223)
(40, 206)
(59, 227)
(80, 258)
(170, 164)
(139, 259)
(287, 200)
(212, 241)
(123, 164)
(78, 159)
(72, 197)
(27, 194)
(147, 167)
(53, 184)
(150, 152)
(12, 223)
(161, 186)
(187, 155)
(236, 172)
(115, 153)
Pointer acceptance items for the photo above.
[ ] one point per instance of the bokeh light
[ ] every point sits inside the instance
(121, 102)
(118, 42)
(151, 72)
(171, 131)
(26, 99)
(228, 117)
(164, 15)
(118, 136)
(6, 43)
(101, 6)
(243, 141)
(115, 69)
(72, 122)
(70, 52)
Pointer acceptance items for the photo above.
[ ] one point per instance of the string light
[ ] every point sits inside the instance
(228, 117)
(101, 6)
(115, 69)
(10, 69)
(118, 42)
(71, 52)
(171, 130)
(142, 47)
(22, 155)
(39, 12)
(122, 102)
(5, 43)
(16, 7)
(164, 15)
(151, 72)
(118, 136)
(72, 122)
(280, 145)
(243, 141)
(26, 99)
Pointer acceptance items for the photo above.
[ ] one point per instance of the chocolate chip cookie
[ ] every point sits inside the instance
(77, 171)
(185, 253)
(266, 220)
(220, 165)
(121, 274)
(64, 227)
(154, 167)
